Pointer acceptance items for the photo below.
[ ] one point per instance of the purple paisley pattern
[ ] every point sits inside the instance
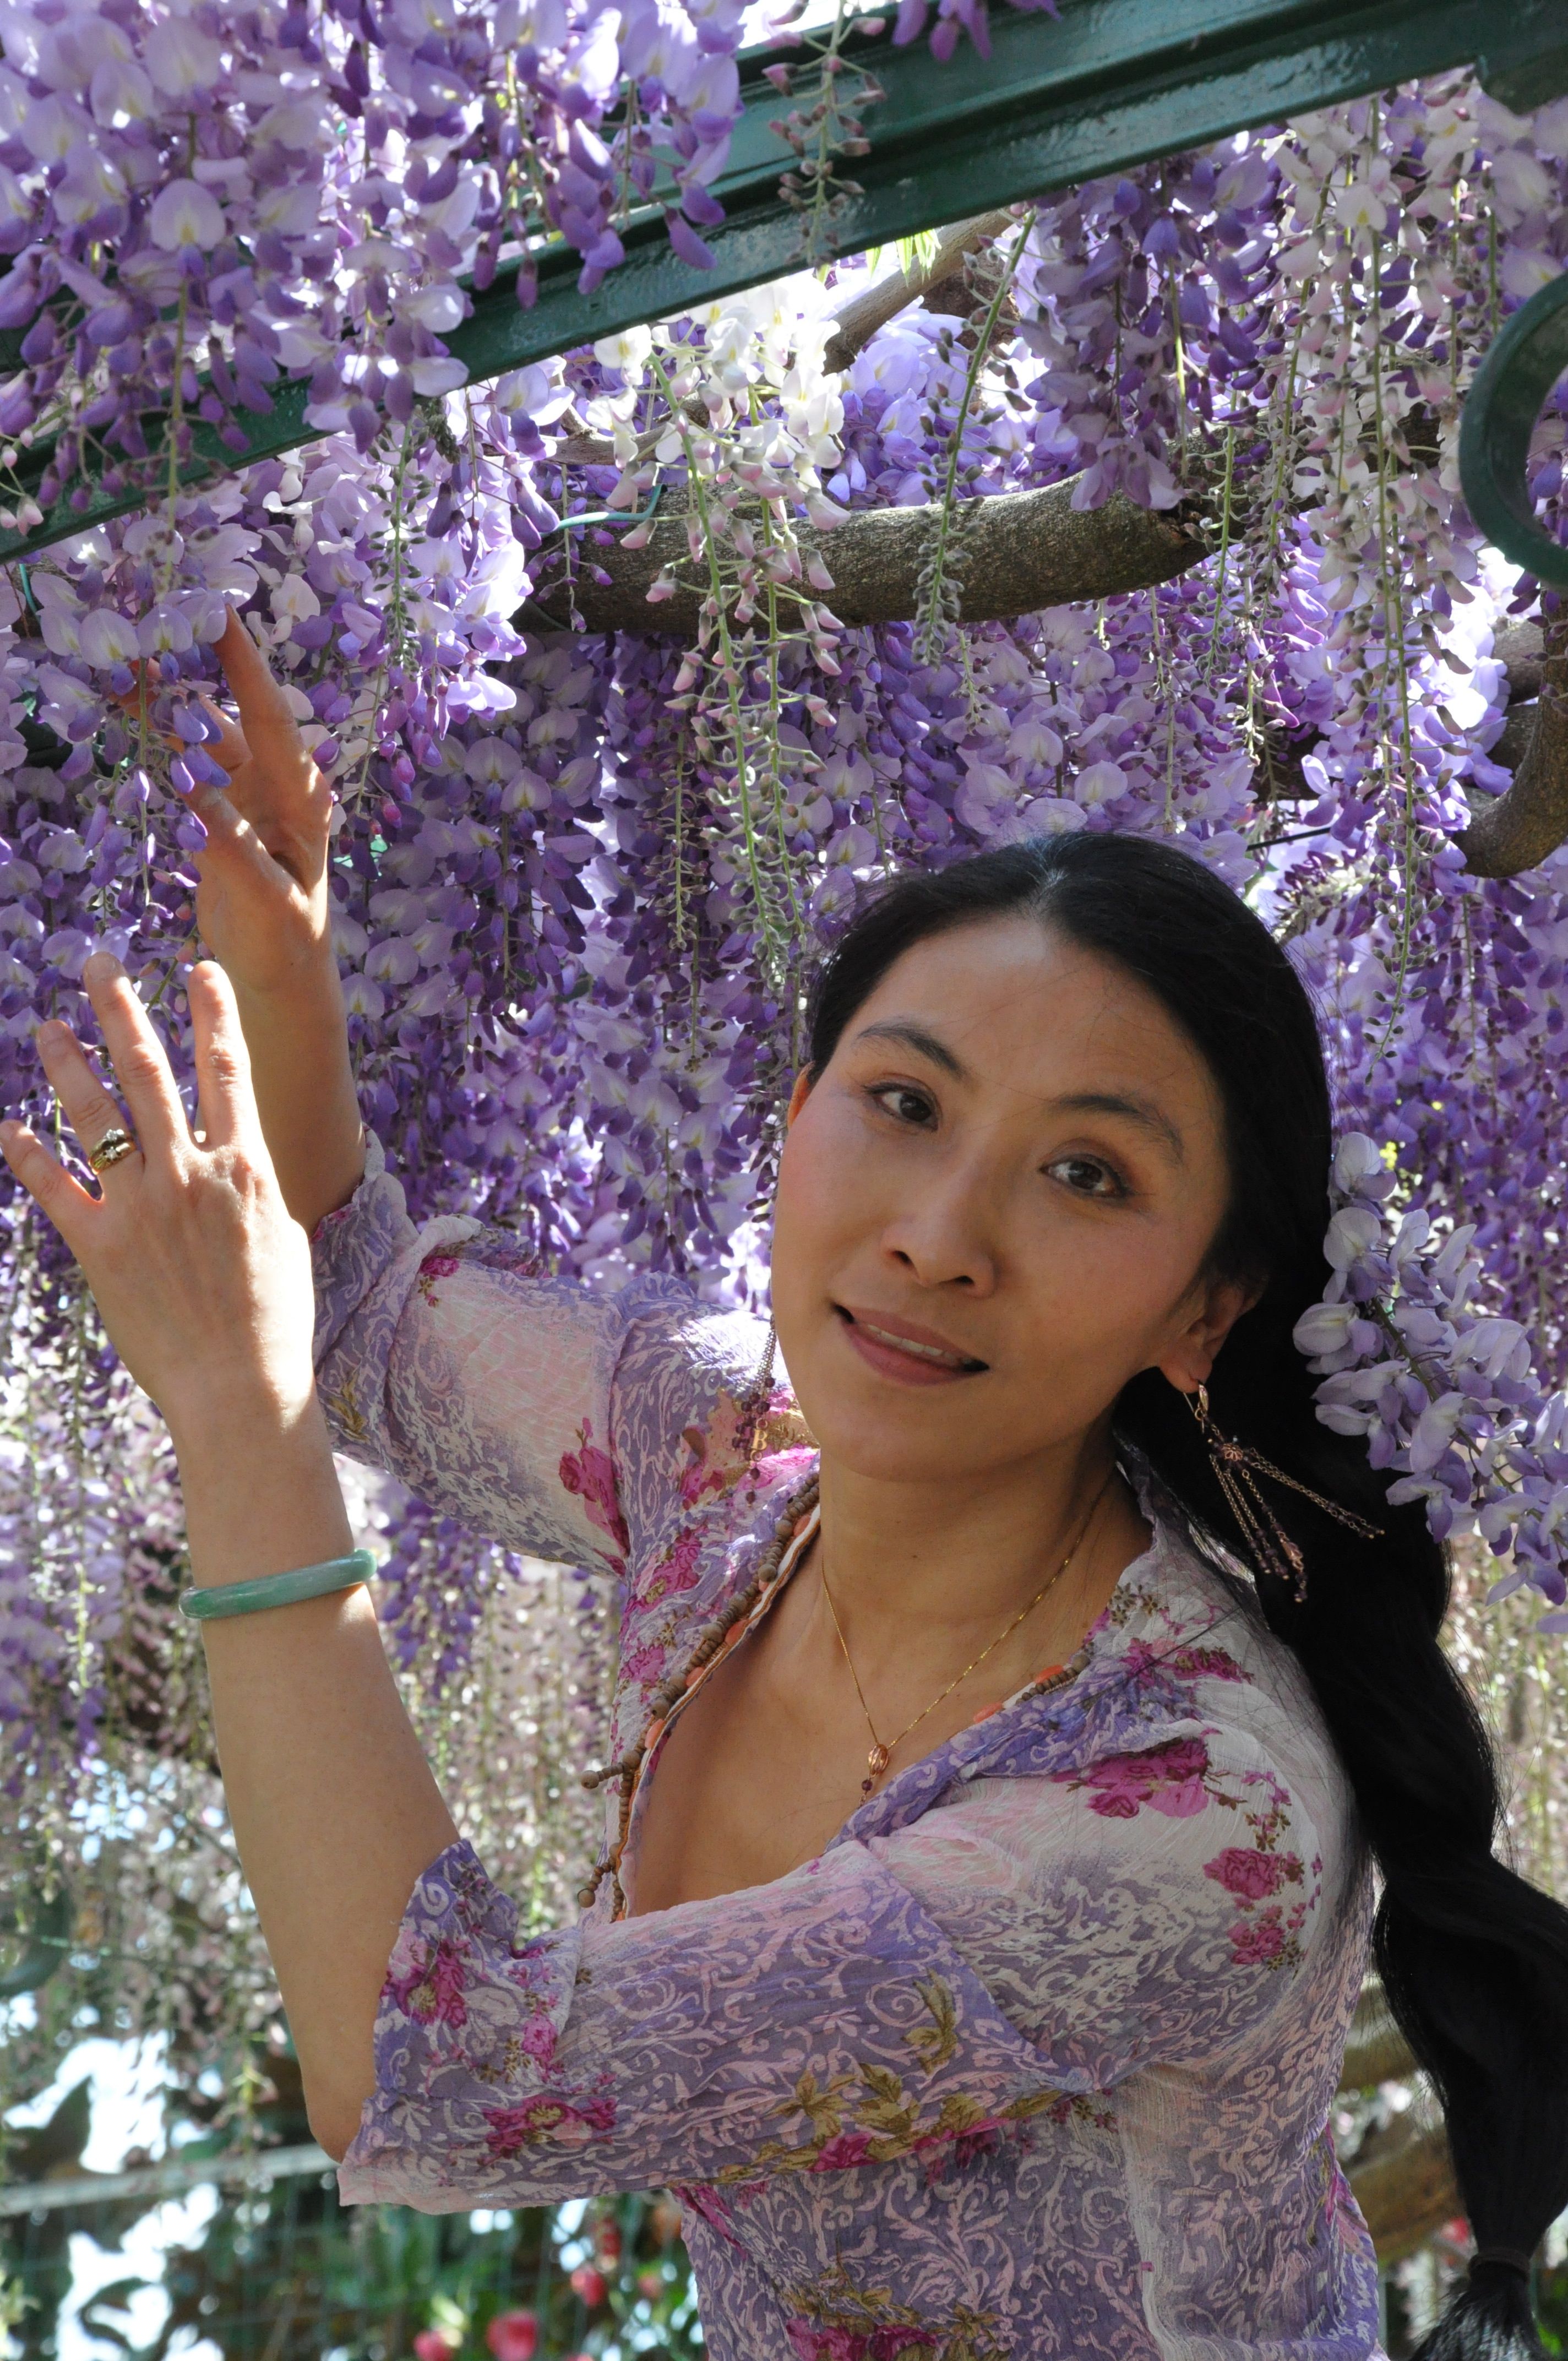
(1036, 2058)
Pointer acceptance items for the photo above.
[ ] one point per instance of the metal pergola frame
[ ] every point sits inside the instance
(1105, 85)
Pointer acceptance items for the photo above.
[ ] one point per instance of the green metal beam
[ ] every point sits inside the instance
(1530, 355)
(1108, 85)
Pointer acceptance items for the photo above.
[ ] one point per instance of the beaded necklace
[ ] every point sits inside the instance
(795, 1527)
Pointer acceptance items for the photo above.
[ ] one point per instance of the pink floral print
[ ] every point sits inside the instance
(679, 1569)
(427, 1982)
(435, 1267)
(1253, 1875)
(590, 1473)
(1168, 1779)
(565, 2122)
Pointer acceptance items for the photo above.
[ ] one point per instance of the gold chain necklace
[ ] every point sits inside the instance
(881, 1755)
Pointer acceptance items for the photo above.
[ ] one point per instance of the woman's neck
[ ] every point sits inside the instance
(940, 1563)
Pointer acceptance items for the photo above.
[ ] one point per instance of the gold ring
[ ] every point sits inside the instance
(110, 1148)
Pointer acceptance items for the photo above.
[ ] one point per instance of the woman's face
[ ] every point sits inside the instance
(994, 1205)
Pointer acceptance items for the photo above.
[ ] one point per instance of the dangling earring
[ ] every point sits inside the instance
(757, 1399)
(1235, 1466)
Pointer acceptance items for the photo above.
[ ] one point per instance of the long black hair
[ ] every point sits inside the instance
(1474, 1960)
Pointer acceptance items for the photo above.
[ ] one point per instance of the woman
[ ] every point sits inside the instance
(986, 1895)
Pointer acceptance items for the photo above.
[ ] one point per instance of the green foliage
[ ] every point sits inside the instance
(285, 2273)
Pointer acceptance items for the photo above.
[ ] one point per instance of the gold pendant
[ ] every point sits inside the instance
(877, 1763)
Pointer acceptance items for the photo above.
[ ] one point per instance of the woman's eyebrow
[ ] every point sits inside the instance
(1142, 1112)
(914, 1037)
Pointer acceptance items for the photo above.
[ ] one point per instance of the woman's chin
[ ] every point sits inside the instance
(923, 1445)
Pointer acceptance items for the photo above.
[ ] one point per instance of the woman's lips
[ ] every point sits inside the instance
(913, 1359)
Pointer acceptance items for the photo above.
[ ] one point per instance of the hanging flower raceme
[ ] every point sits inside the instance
(1443, 1387)
(203, 205)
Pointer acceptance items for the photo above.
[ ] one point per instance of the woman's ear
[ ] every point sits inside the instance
(1190, 1360)
(798, 1096)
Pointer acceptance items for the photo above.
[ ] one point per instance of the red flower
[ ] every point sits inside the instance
(513, 2335)
(435, 2345)
(591, 2285)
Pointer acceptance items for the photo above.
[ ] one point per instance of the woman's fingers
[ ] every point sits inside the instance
(48, 1185)
(228, 749)
(91, 1110)
(230, 835)
(266, 719)
(141, 1068)
(224, 1096)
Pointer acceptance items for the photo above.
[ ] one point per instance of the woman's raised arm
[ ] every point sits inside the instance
(204, 1282)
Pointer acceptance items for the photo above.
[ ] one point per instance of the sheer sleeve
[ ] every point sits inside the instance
(554, 1418)
(1015, 1955)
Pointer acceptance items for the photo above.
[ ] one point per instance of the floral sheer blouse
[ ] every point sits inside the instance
(1036, 2058)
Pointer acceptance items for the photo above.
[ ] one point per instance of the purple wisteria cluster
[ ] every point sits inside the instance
(203, 204)
(199, 206)
(579, 879)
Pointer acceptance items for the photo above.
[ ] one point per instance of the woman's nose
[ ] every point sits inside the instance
(946, 1239)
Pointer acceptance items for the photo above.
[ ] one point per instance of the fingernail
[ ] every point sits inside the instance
(100, 967)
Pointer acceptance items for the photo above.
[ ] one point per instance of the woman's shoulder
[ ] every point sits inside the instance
(705, 1423)
(1183, 1780)
(1191, 1644)
(1181, 1705)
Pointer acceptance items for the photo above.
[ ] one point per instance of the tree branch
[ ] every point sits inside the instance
(1517, 830)
(1376, 2051)
(1406, 2188)
(1402, 2174)
(864, 314)
(1021, 551)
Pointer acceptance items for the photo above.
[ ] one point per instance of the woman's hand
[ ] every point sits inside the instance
(203, 1278)
(262, 904)
(264, 909)
(204, 1285)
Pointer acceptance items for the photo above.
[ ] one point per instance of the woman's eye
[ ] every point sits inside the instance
(1087, 1177)
(909, 1107)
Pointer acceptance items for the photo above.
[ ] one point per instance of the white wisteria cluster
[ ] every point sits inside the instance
(1443, 1387)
